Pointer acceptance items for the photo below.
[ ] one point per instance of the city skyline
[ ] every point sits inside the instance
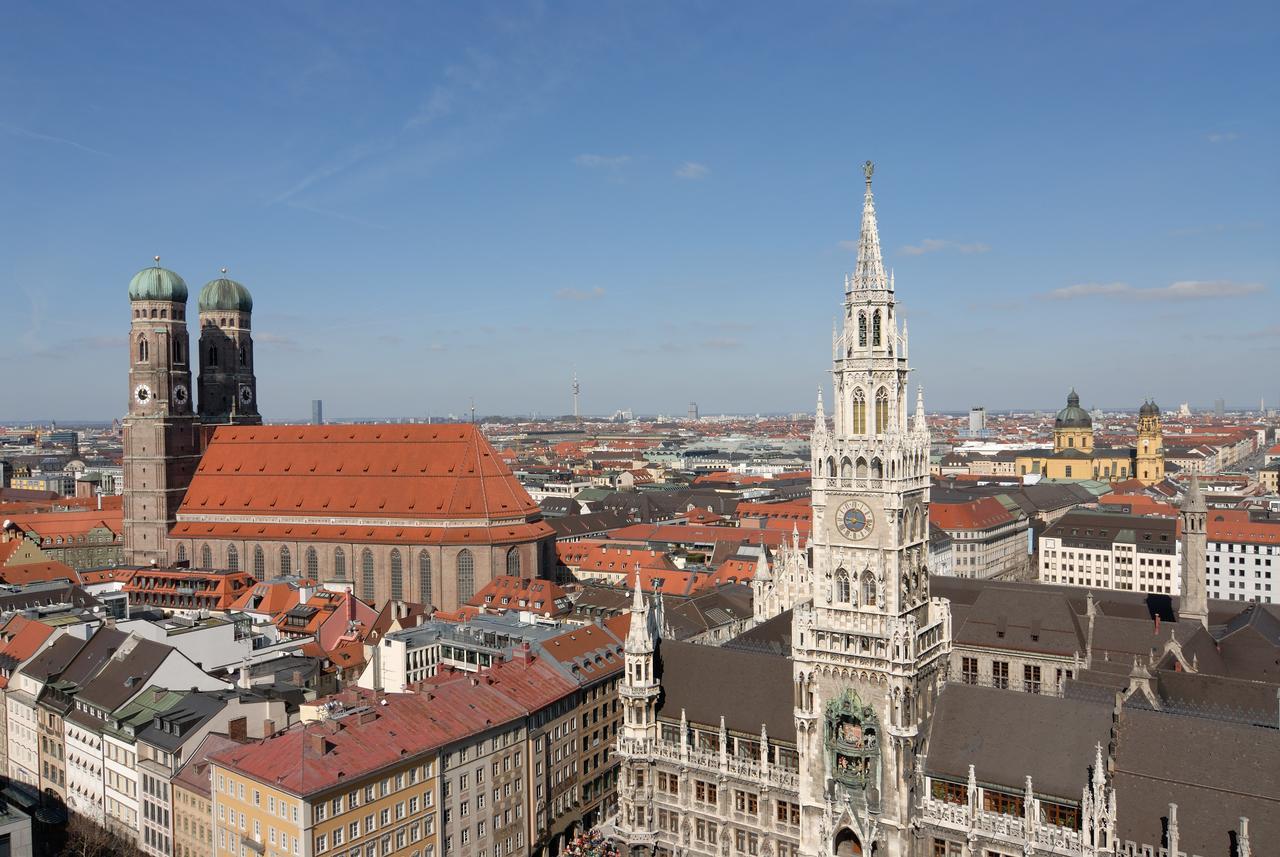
(496, 207)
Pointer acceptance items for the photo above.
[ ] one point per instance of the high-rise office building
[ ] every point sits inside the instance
(317, 412)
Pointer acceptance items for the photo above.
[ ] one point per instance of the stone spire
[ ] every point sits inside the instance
(920, 424)
(1194, 600)
(639, 635)
(869, 272)
(820, 417)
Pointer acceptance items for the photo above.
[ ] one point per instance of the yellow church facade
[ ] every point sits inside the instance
(1075, 457)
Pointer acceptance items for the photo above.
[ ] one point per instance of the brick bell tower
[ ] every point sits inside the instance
(228, 388)
(160, 445)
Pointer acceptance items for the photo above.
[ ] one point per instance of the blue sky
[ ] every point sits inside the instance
(432, 202)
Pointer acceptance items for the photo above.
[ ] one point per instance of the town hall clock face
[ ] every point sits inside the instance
(855, 520)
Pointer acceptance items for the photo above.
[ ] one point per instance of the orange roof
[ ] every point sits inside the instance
(507, 592)
(419, 473)
(797, 510)
(106, 575)
(19, 639)
(36, 572)
(729, 571)
(501, 534)
(698, 515)
(979, 514)
(271, 597)
(54, 524)
(1233, 525)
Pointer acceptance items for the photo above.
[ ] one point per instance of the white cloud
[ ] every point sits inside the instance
(1223, 137)
(692, 170)
(568, 294)
(606, 162)
(937, 245)
(1183, 290)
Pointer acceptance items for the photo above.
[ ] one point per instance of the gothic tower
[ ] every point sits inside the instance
(1194, 600)
(870, 645)
(160, 451)
(228, 389)
(1149, 467)
(639, 691)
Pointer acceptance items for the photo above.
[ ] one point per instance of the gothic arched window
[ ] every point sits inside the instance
(312, 564)
(868, 589)
(877, 469)
(366, 575)
(213, 354)
(244, 354)
(259, 562)
(513, 562)
(397, 576)
(142, 349)
(843, 595)
(862, 329)
(177, 350)
(339, 564)
(233, 558)
(875, 328)
(861, 467)
(466, 576)
(424, 578)
(846, 468)
(182, 553)
(286, 561)
(206, 557)
(859, 411)
(882, 410)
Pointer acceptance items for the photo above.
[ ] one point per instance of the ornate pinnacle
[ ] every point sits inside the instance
(867, 169)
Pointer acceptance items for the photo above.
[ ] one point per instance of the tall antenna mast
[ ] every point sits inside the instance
(577, 416)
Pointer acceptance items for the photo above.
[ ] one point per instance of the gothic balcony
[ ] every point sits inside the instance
(1000, 827)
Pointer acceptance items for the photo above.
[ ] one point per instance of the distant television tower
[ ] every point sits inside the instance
(577, 417)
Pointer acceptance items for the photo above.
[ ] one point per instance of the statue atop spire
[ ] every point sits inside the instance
(869, 271)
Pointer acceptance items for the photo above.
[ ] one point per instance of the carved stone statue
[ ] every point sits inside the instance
(867, 169)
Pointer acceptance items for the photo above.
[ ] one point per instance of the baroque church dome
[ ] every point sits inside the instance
(157, 284)
(225, 294)
(1149, 409)
(1073, 416)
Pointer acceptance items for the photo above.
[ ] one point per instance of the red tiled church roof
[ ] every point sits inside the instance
(432, 477)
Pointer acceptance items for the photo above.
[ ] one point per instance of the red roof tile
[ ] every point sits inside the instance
(415, 473)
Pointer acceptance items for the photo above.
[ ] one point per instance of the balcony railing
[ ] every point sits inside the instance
(999, 825)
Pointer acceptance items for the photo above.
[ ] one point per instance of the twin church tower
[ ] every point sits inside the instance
(165, 431)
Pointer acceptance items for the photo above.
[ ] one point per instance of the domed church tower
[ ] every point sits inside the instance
(1073, 427)
(228, 389)
(160, 449)
(1150, 451)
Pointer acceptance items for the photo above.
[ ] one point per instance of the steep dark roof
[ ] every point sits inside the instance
(1214, 771)
(746, 688)
(1021, 619)
(772, 637)
(1008, 736)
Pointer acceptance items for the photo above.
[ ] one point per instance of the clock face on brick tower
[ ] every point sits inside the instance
(142, 394)
(855, 520)
(246, 394)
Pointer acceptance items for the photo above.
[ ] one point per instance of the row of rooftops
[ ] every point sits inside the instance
(360, 731)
